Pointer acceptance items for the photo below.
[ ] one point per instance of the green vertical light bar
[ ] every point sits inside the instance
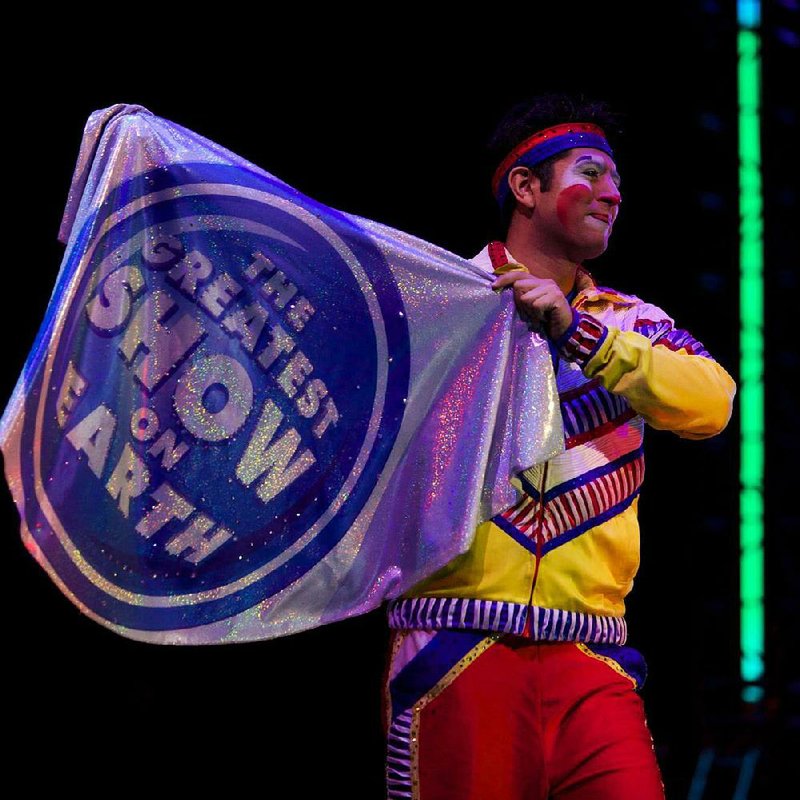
(751, 366)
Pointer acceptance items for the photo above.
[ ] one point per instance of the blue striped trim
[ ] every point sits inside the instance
(435, 613)
(571, 502)
(547, 624)
(663, 333)
(567, 536)
(583, 478)
(593, 522)
(679, 339)
(591, 409)
(652, 330)
(399, 782)
(593, 474)
(553, 625)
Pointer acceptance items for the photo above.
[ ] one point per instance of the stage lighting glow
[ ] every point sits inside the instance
(751, 365)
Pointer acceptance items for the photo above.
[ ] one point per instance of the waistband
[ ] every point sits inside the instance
(546, 624)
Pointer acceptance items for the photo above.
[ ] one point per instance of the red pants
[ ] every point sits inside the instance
(476, 717)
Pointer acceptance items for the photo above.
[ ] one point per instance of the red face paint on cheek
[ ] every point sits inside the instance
(569, 199)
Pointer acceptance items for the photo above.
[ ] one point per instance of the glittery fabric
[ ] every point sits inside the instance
(247, 414)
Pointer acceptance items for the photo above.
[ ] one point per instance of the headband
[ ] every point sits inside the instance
(544, 144)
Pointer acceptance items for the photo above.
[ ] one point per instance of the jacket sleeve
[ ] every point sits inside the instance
(667, 376)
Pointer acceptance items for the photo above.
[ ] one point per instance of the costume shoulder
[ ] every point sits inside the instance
(621, 309)
(483, 260)
(651, 321)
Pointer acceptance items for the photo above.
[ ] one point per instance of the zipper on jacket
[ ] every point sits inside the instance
(539, 521)
(539, 537)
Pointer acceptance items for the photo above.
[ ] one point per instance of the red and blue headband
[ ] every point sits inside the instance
(544, 144)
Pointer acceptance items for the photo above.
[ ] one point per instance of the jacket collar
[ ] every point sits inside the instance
(588, 291)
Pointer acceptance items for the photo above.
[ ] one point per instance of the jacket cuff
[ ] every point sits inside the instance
(582, 339)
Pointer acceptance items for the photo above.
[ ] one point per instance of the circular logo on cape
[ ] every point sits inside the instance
(225, 377)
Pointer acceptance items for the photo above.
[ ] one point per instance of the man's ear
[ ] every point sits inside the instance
(524, 185)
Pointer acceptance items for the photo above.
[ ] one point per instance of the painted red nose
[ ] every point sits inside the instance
(609, 193)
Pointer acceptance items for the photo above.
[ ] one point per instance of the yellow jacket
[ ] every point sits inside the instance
(558, 564)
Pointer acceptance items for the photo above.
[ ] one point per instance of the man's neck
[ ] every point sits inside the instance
(540, 262)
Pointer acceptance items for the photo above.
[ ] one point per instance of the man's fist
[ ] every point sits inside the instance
(540, 301)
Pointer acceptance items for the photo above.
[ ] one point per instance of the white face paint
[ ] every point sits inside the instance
(580, 207)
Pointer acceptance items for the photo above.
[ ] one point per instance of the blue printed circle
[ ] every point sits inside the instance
(218, 400)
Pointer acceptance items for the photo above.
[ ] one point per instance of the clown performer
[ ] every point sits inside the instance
(508, 674)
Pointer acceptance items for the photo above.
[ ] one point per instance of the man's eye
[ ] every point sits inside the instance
(592, 172)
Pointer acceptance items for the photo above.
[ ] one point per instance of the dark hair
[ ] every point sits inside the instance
(539, 112)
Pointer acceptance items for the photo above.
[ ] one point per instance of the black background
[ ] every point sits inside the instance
(390, 123)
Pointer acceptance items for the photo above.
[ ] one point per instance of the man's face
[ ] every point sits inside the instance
(577, 213)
